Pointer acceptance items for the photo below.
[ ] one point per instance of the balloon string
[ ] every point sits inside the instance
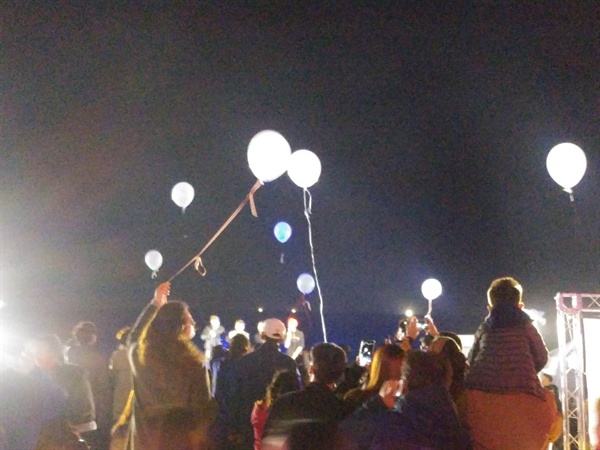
(430, 308)
(248, 199)
(307, 212)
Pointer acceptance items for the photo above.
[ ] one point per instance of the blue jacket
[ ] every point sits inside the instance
(507, 354)
(421, 419)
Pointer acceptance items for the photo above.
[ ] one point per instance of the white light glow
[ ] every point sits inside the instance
(566, 164)
(409, 313)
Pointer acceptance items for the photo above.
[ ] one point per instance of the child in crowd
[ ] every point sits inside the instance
(283, 382)
(508, 351)
(507, 406)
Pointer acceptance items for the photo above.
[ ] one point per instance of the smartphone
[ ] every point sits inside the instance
(365, 352)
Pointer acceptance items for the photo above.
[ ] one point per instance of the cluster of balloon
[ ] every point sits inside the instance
(154, 261)
(182, 194)
(566, 164)
(282, 232)
(431, 289)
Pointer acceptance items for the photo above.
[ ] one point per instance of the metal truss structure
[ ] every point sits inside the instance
(572, 309)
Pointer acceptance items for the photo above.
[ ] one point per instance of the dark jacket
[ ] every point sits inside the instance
(80, 411)
(306, 418)
(29, 401)
(425, 419)
(507, 354)
(252, 373)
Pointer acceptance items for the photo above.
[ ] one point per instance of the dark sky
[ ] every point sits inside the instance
(432, 122)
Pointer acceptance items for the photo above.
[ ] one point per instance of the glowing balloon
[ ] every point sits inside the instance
(182, 194)
(153, 260)
(268, 155)
(282, 232)
(304, 168)
(431, 289)
(566, 165)
(305, 283)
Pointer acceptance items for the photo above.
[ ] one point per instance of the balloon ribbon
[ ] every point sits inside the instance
(196, 259)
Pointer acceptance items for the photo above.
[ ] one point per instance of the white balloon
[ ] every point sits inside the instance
(431, 289)
(182, 194)
(268, 155)
(566, 165)
(304, 168)
(153, 260)
(305, 283)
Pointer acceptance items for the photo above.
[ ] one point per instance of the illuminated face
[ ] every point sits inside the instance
(189, 327)
(240, 325)
(292, 325)
(215, 323)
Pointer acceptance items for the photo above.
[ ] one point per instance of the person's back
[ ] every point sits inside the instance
(306, 419)
(252, 374)
(86, 355)
(507, 406)
(423, 417)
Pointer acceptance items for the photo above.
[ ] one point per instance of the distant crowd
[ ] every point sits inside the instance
(159, 391)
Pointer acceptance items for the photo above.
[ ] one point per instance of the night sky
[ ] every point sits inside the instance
(432, 122)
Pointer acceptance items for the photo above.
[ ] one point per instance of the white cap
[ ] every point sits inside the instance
(274, 329)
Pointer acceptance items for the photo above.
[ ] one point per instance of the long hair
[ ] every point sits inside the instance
(386, 365)
(239, 346)
(448, 348)
(284, 381)
(163, 344)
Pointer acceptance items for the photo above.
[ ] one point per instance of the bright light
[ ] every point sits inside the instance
(260, 309)
(2, 304)
(566, 164)
(409, 313)
(304, 168)
(268, 155)
(293, 310)
(431, 289)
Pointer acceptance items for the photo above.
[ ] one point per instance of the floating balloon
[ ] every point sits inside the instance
(304, 168)
(153, 260)
(268, 155)
(566, 165)
(182, 194)
(431, 289)
(282, 232)
(305, 283)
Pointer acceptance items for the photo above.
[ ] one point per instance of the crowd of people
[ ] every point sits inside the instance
(160, 391)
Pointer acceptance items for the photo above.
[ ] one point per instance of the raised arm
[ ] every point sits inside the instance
(161, 296)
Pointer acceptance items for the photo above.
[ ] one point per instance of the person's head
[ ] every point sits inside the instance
(239, 346)
(85, 333)
(215, 322)
(386, 365)
(447, 347)
(423, 369)
(239, 325)
(260, 326)
(167, 339)
(283, 382)
(292, 324)
(46, 350)
(274, 330)
(546, 379)
(455, 337)
(173, 321)
(505, 290)
(328, 363)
